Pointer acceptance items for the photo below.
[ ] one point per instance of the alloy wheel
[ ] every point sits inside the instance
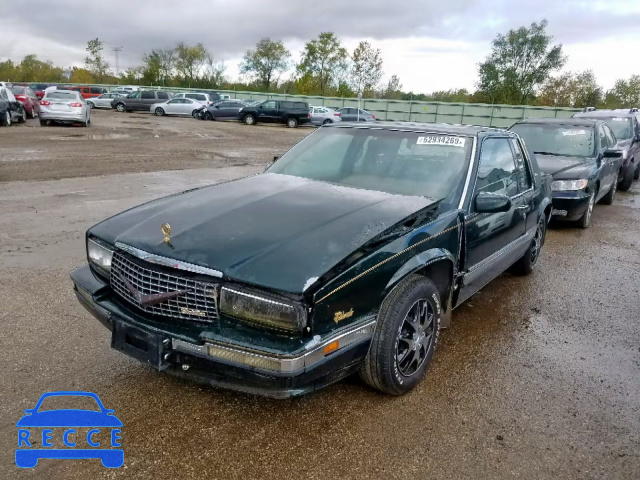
(415, 337)
(537, 243)
(592, 201)
(7, 118)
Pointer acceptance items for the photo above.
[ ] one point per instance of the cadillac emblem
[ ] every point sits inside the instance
(166, 231)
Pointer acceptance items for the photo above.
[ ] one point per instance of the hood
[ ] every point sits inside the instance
(564, 167)
(270, 230)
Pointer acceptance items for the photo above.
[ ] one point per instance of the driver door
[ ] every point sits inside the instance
(268, 111)
(494, 240)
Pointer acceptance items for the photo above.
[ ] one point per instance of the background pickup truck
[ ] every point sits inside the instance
(276, 111)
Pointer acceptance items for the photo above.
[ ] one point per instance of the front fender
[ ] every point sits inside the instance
(421, 261)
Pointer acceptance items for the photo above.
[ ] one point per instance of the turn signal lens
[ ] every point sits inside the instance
(332, 347)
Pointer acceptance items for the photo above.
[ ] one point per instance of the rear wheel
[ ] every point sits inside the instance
(608, 198)
(327, 121)
(405, 337)
(585, 220)
(159, 112)
(528, 261)
(121, 107)
(23, 116)
(636, 174)
(628, 178)
(250, 120)
(194, 114)
(43, 123)
(292, 122)
(7, 119)
(32, 113)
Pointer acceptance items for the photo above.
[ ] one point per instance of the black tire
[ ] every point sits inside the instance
(208, 116)
(194, 114)
(6, 119)
(43, 123)
(91, 104)
(636, 174)
(23, 117)
(396, 363)
(159, 112)
(608, 198)
(292, 122)
(249, 119)
(527, 263)
(626, 182)
(327, 121)
(121, 107)
(585, 220)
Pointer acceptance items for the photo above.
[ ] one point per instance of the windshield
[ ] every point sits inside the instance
(17, 90)
(404, 163)
(553, 139)
(620, 126)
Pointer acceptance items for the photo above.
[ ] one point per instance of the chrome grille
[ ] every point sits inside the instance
(199, 303)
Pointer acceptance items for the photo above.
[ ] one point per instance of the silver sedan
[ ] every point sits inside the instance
(324, 115)
(177, 106)
(64, 106)
(104, 100)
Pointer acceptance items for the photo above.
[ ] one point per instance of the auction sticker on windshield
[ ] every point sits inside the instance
(573, 132)
(442, 140)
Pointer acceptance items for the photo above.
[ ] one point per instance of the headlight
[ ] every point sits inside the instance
(99, 254)
(263, 309)
(565, 185)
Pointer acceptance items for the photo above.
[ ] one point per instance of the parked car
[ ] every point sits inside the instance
(222, 110)
(38, 88)
(65, 106)
(28, 98)
(200, 97)
(276, 111)
(140, 101)
(347, 254)
(350, 114)
(324, 115)
(11, 110)
(125, 89)
(581, 155)
(177, 106)
(104, 100)
(89, 92)
(625, 125)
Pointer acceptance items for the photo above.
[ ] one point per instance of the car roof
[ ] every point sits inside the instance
(622, 112)
(471, 130)
(586, 122)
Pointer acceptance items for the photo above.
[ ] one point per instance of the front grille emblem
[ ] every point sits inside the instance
(153, 299)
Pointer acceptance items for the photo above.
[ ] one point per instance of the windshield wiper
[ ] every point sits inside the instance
(549, 153)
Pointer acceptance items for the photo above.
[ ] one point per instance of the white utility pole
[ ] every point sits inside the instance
(116, 51)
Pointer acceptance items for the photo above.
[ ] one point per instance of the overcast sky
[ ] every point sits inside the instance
(430, 44)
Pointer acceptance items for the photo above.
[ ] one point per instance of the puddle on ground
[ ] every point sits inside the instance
(92, 136)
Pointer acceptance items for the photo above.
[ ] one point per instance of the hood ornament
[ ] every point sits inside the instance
(166, 231)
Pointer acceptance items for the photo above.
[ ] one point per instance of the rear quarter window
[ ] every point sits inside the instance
(163, 95)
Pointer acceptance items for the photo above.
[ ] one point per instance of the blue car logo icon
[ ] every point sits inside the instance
(66, 422)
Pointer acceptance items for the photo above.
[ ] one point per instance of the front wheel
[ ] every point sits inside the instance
(159, 112)
(91, 105)
(292, 122)
(7, 119)
(121, 107)
(405, 337)
(585, 220)
(327, 122)
(628, 178)
(207, 116)
(528, 261)
(250, 120)
(23, 117)
(194, 114)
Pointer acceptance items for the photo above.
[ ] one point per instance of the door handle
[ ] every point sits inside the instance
(522, 207)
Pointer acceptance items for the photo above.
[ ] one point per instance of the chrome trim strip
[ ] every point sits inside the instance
(266, 361)
(167, 262)
(468, 180)
(486, 264)
(255, 297)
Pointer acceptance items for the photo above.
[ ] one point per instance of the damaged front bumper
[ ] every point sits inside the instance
(321, 361)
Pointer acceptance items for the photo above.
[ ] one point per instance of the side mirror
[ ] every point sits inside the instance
(610, 153)
(492, 203)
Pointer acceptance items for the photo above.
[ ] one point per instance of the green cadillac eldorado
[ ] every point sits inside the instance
(348, 254)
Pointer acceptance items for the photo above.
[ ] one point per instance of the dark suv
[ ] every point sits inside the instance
(140, 101)
(625, 125)
(276, 111)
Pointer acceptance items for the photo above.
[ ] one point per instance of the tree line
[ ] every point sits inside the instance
(522, 68)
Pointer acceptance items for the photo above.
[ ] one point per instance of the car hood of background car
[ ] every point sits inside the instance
(277, 231)
(564, 167)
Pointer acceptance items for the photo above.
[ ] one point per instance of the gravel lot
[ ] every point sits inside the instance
(537, 378)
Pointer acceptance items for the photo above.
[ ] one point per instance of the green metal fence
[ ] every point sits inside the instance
(500, 116)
